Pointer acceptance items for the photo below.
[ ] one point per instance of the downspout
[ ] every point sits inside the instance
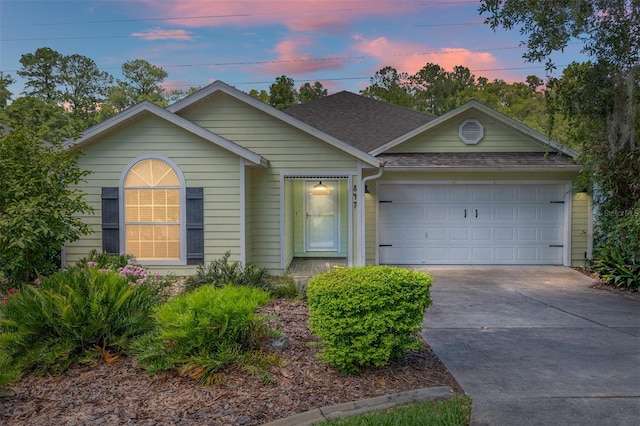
(363, 213)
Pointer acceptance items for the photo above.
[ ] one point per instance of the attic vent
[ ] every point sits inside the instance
(471, 132)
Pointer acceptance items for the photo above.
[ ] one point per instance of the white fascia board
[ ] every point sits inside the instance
(220, 86)
(151, 108)
(489, 112)
(486, 169)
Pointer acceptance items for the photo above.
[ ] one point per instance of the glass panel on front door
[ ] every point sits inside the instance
(321, 215)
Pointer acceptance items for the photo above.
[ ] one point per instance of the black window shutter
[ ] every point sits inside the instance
(195, 226)
(110, 221)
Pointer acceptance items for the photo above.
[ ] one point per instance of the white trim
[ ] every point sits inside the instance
(363, 216)
(503, 169)
(183, 209)
(243, 213)
(283, 211)
(566, 258)
(350, 227)
(219, 86)
(589, 228)
(147, 107)
(568, 209)
(488, 112)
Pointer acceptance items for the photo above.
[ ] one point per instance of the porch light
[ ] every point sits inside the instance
(320, 189)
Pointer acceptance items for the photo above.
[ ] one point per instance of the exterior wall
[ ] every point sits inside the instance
(580, 233)
(444, 138)
(288, 150)
(580, 229)
(202, 163)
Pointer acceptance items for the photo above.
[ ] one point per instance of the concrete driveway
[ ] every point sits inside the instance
(536, 345)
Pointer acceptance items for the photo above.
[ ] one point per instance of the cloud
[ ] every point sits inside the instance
(292, 60)
(297, 15)
(159, 34)
(410, 57)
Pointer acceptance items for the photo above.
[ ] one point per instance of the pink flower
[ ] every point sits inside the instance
(92, 264)
(13, 291)
(37, 281)
(5, 300)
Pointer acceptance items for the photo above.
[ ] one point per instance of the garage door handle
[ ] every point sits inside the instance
(556, 245)
(465, 212)
(385, 245)
(476, 212)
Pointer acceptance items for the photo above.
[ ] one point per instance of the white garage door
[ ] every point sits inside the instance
(471, 224)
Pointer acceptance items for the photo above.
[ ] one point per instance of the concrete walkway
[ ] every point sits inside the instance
(537, 345)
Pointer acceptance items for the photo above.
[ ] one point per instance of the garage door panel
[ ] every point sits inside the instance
(515, 223)
(481, 234)
(459, 234)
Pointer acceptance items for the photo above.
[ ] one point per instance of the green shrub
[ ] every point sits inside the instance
(201, 332)
(617, 270)
(617, 239)
(106, 260)
(221, 272)
(367, 316)
(72, 315)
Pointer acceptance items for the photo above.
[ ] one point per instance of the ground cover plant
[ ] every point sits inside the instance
(369, 315)
(455, 411)
(201, 332)
(72, 315)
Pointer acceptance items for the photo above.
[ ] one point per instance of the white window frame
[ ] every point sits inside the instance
(183, 209)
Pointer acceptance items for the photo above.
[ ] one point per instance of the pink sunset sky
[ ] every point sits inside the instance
(341, 43)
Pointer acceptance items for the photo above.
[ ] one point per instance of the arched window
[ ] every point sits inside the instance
(152, 211)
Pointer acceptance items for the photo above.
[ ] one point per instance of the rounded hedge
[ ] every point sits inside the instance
(368, 315)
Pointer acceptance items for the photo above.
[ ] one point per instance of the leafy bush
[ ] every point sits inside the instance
(617, 253)
(40, 205)
(369, 315)
(616, 270)
(221, 272)
(72, 315)
(201, 332)
(106, 260)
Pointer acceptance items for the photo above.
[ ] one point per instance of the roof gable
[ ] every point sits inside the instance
(218, 87)
(147, 107)
(362, 122)
(483, 110)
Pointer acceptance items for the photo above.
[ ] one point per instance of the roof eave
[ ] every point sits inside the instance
(151, 108)
(220, 86)
(510, 169)
(508, 121)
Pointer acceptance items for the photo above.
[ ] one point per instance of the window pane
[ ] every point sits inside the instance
(153, 242)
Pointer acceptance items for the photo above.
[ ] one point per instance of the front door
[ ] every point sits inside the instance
(321, 215)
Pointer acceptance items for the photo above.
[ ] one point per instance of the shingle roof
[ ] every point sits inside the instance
(362, 122)
(477, 159)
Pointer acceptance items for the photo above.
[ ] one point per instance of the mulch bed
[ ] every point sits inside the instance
(121, 393)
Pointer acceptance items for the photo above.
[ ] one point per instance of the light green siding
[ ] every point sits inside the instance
(579, 214)
(444, 138)
(580, 232)
(202, 163)
(288, 150)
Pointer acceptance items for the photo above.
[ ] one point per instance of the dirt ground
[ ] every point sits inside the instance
(122, 394)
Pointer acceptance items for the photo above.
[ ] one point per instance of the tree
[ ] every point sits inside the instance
(85, 87)
(41, 70)
(5, 94)
(391, 86)
(282, 93)
(600, 99)
(44, 118)
(142, 82)
(38, 204)
(262, 95)
(308, 92)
